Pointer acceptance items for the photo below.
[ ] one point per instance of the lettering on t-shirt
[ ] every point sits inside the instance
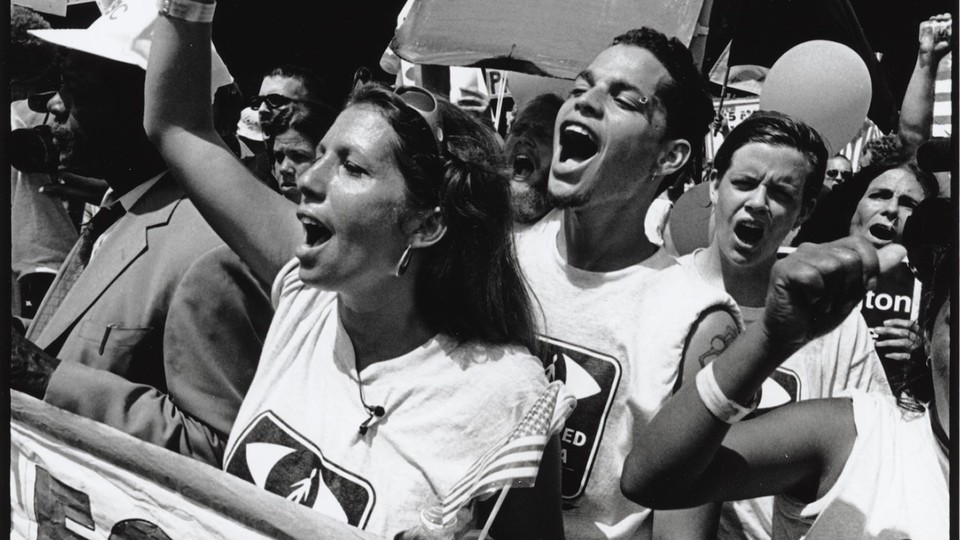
(593, 379)
(273, 456)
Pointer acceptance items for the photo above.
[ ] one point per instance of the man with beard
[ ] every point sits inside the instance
(621, 324)
(529, 149)
(152, 325)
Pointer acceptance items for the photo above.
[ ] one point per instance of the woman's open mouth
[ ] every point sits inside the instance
(316, 233)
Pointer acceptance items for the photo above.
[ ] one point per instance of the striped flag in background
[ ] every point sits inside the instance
(515, 460)
(942, 97)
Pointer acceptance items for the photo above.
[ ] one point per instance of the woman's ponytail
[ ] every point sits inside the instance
(472, 280)
(469, 284)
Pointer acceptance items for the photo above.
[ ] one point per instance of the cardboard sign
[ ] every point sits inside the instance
(557, 38)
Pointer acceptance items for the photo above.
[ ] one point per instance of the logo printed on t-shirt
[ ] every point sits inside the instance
(780, 388)
(593, 379)
(271, 455)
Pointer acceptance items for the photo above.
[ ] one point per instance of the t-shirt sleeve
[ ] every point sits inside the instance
(286, 283)
(866, 408)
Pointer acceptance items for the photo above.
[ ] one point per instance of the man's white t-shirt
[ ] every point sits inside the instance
(616, 339)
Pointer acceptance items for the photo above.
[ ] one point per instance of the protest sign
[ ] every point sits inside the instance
(71, 477)
(541, 37)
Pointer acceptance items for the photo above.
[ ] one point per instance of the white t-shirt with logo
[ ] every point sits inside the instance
(616, 339)
(842, 359)
(893, 486)
(297, 432)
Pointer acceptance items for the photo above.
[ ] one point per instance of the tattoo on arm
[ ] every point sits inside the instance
(718, 344)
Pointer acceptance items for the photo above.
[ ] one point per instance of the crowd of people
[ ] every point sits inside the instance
(385, 287)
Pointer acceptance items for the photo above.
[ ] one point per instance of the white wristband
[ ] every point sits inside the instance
(719, 405)
(187, 10)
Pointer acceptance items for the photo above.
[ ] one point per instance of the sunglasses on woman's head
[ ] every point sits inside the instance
(846, 175)
(422, 101)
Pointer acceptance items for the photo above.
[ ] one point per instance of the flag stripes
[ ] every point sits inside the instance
(508, 455)
(942, 105)
(517, 461)
(513, 461)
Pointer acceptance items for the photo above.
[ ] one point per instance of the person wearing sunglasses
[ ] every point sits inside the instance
(42, 228)
(399, 351)
(282, 86)
(839, 170)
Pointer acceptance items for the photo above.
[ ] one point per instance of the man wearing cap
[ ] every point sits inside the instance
(621, 325)
(152, 325)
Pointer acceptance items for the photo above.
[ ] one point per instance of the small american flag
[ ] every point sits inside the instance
(515, 460)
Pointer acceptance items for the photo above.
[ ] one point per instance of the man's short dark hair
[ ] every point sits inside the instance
(685, 97)
(543, 107)
(312, 83)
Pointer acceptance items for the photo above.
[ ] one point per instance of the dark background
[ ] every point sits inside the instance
(334, 38)
(253, 36)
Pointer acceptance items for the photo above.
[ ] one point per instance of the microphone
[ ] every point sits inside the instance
(374, 412)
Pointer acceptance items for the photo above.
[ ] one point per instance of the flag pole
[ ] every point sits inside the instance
(503, 86)
(493, 513)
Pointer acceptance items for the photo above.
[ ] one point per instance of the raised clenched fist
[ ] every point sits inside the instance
(815, 288)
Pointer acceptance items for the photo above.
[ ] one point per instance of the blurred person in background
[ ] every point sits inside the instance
(42, 231)
(529, 152)
(152, 325)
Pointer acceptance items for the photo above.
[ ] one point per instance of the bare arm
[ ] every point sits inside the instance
(701, 523)
(709, 337)
(688, 460)
(256, 222)
(916, 112)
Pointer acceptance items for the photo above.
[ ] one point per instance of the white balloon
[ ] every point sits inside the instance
(824, 84)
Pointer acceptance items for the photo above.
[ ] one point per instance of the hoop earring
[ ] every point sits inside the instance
(404, 262)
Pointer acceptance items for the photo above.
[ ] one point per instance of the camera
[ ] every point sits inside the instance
(32, 150)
